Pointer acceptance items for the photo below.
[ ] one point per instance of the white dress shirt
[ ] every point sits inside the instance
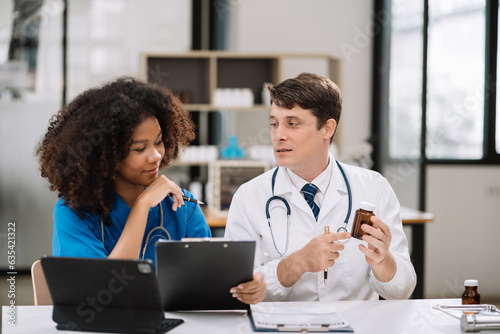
(351, 277)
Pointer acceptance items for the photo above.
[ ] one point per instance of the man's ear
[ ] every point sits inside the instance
(329, 128)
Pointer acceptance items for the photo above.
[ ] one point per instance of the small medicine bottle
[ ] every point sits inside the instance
(470, 295)
(363, 215)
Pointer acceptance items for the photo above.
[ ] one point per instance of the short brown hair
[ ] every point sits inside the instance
(309, 91)
(90, 136)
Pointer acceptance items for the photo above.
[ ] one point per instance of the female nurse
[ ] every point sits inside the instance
(102, 153)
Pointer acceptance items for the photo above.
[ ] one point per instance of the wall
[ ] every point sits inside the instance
(24, 196)
(340, 28)
(105, 40)
(462, 243)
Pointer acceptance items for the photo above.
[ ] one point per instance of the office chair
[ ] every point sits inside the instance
(41, 292)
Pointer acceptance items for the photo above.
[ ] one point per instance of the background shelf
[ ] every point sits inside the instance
(195, 76)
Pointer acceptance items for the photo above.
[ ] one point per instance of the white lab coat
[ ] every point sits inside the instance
(351, 277)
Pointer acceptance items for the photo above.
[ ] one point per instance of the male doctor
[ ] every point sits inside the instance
(292, 255)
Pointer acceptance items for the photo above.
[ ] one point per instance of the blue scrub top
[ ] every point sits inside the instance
(81, 237)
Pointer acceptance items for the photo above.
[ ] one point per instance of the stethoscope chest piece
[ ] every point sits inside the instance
(341, 229)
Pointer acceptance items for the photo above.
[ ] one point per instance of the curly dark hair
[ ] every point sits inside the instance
(89, 137)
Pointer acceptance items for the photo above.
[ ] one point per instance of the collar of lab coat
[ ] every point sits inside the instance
(336, 190)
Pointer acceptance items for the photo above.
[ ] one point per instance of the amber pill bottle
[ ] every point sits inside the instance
(471, 295)
(363, 215)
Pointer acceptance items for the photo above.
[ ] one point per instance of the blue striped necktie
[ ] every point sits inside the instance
(309, 191)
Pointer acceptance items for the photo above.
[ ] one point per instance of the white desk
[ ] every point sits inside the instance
(387, 317)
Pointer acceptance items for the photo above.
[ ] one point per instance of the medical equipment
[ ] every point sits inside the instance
(288, 211)
(146, 243)
(473, 317)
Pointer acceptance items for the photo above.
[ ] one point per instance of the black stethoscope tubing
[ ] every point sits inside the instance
(288, 210)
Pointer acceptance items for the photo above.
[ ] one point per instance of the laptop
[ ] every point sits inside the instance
(105, 295)
(197, 274)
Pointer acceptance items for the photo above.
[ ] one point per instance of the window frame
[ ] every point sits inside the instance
(380, 113)
(381, 91)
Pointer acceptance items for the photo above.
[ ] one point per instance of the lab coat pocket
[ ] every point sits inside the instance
(356, 268)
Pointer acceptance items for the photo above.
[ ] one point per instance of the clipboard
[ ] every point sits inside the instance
(292, 317)
(197, 274)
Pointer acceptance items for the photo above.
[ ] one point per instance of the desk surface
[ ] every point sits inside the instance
(398, 316)
(412, 216)
(408, 216)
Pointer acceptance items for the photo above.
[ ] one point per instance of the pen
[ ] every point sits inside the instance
(189, 199)
(325, 272)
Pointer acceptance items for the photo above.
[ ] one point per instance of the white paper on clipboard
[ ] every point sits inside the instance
(289, 316)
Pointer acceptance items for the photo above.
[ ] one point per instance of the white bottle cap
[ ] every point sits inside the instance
(470, 282)
(367, 206)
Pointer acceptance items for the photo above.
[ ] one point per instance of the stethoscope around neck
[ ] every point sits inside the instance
(342, 228)
(148, 237)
